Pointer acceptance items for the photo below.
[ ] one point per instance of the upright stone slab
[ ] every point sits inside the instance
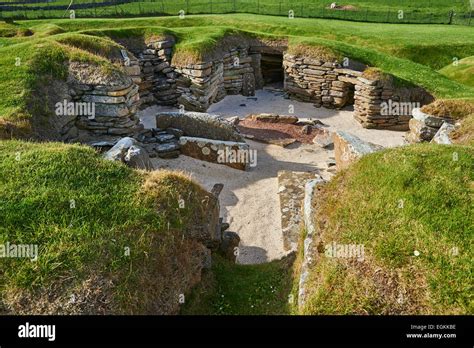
(312, 188)
(201, 125)
(236, 155)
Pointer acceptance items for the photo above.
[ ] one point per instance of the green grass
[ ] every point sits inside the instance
(232, 289)
(426, 11)
(82, 212)
(461, 71)
(465, 133)
(362, 206)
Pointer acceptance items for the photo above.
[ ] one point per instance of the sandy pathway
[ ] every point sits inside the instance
(249, 201)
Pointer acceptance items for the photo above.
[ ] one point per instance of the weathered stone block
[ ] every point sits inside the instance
(348, 148)
(232, 154)
(420, 132)
(200, 125)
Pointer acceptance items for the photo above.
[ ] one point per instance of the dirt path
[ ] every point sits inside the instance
(249, 201)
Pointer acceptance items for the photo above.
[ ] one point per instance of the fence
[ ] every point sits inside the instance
(33, 9)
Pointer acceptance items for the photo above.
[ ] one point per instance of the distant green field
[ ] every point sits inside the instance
(398, 11)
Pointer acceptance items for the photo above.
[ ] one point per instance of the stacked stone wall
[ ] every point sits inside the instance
(204, 83)
(378, 103)
(154, 74)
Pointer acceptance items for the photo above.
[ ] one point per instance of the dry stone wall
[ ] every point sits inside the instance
(204, 83)
(153, 72)
(100, 106)
(377, 102)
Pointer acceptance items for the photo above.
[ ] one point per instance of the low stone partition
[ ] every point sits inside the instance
(291, 193)
(230, 153)
(348, 148)
(311, 192)
(201, 125)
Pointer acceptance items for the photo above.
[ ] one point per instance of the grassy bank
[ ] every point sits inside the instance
(30, 67)
(411, 210)
(107, 236)
(461, 71)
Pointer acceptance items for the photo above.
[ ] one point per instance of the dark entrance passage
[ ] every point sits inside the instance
(272, 68)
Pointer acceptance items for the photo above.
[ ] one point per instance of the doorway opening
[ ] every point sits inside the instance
(272, 69)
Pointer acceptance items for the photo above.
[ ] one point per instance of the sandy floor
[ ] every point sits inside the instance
(249, 201)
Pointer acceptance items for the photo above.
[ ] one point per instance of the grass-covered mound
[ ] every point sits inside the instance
(411, 210)
(110, 239)
(421, 11)
(461, 71)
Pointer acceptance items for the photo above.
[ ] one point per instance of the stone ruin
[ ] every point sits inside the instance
(248, 65)
(329, 84)
(150, 77)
